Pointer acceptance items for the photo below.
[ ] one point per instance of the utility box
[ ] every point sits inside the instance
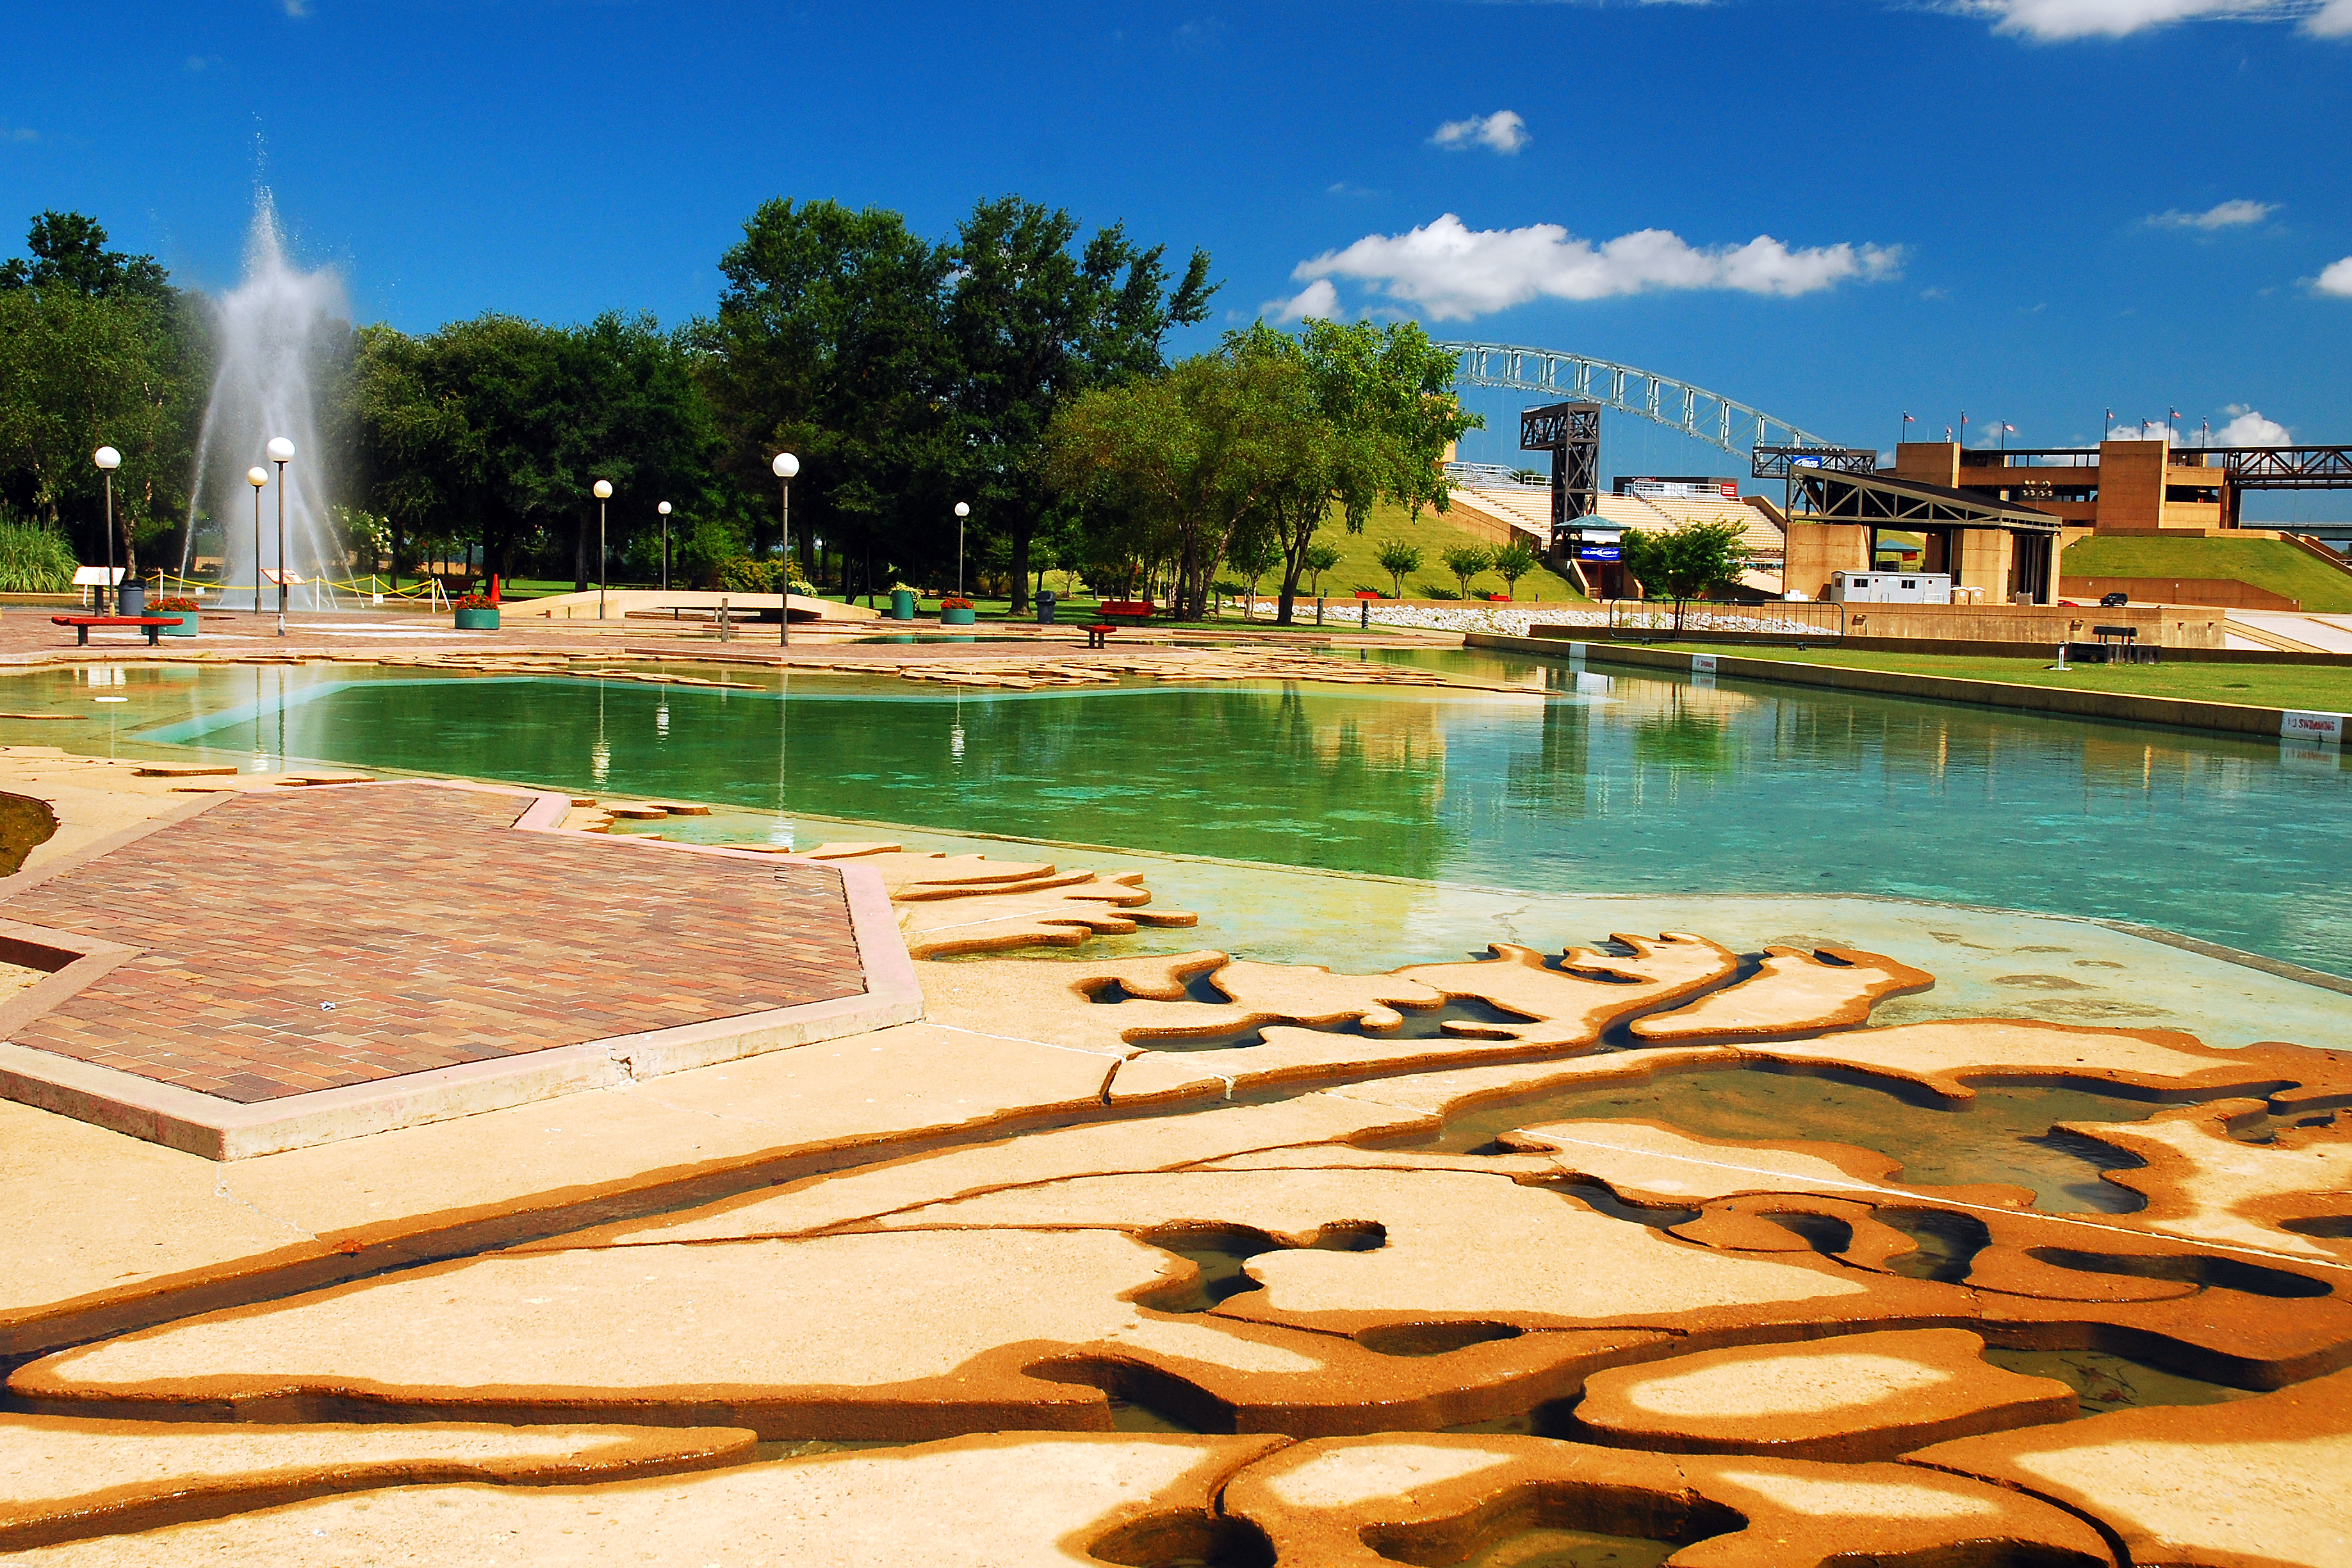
(1891, 587)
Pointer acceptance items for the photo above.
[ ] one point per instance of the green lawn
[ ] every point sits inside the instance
(2317, 686)
(2271, 564)
(1360, 565)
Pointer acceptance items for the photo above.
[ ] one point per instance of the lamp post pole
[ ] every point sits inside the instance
(257, 476)
(664, 509)
(281, 452)
(108, 459)
(603, 493)
(784, 468)
(963, 509)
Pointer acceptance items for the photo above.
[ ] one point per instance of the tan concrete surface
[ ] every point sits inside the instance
(1793, 992)
(1945, 1056)
(62, 1478)
(1431, 1498)
(975, 1502)
(591, 1333)
(2256, 1483)
(2204, 1185)
(1852, 1398)
(1456, 1245)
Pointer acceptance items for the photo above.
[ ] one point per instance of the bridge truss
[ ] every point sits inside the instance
(1701, 415)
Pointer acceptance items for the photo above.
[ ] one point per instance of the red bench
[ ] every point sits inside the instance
(81, 623)
(1133, 609)
(1100, 636)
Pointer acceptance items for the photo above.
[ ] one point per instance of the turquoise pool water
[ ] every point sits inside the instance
(1583, 781)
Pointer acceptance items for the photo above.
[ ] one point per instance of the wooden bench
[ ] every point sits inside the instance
(154, 625)
(1130, 609)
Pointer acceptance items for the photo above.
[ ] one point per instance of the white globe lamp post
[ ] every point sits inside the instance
(281, 452)
(603, 492)
(784, 468)
(663, 508)
(257, 476)
(962, 511)
(108, 459)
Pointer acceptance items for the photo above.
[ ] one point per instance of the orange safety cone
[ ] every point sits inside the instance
(494, 587)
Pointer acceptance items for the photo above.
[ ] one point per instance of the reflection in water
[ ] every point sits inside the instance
(1606, 783)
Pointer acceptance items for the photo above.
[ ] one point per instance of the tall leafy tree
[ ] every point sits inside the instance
(96, 349)
(1684, 563)
(828, 344)
(496, 428)
(1180, 451)
(1034, 318)
(1367, 413)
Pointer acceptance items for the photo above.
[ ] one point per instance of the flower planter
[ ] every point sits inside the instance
(963, 618)
(902, 605)
(478, 620)
(185, 627)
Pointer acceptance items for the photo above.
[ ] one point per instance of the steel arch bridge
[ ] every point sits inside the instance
(1697, 413)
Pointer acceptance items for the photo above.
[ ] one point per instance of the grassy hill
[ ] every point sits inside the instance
(1360, 565)
(2271, 564)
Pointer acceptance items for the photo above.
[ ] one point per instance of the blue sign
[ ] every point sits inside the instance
(1600, 553)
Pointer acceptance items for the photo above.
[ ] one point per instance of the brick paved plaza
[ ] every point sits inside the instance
(303, 940)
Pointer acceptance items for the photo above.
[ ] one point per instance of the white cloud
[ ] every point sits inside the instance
(2063, 19)
(297, 8)
(1318, 299)
(2147, 430)
(2247, 427)
(27, 133)
(1453, 272)
(2337, 278)
(1503, 130)
(2228, 215)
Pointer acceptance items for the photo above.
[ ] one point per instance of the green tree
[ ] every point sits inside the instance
(1513, 562)
(1319, 558)
(1466, 562)
(1033, 318)
(1399, 560)
(96, 349)
(829, 343)
(1253, 553)
(70, 255)
(1685, 563)
(496, 429)
(1176, 457)
(1363, 412)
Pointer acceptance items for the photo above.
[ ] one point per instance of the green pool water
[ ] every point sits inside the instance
(1580, 782)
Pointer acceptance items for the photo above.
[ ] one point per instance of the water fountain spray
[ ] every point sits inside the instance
(275, 333)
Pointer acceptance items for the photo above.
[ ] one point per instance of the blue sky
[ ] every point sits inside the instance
(1867, 208)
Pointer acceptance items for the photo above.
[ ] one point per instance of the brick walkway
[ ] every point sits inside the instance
(439, 933)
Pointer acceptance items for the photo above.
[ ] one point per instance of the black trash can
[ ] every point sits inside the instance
(131, 597)
(1045, 606)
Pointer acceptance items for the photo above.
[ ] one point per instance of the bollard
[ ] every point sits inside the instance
(1318, 609)
(724, 628)
(1367, 603)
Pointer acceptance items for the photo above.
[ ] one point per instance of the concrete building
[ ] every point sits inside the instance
(2119, 487)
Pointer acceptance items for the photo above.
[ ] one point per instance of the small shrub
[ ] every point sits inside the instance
(34, 559)
(473, 602)
(744, 575)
